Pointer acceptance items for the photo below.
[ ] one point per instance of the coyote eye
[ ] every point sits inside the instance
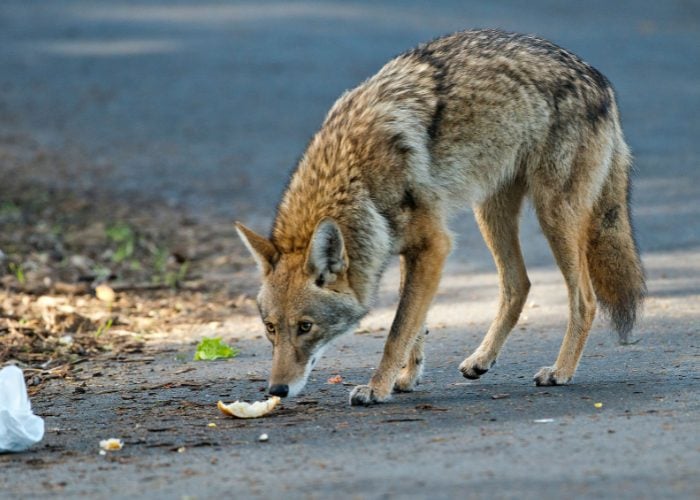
(270, 327)
(305, 326)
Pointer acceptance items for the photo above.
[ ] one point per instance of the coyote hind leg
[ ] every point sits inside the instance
(566, 229)
(498, 219)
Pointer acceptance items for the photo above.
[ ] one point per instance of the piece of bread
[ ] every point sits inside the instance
(241, 409)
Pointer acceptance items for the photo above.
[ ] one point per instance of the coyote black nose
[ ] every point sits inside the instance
(280, 390)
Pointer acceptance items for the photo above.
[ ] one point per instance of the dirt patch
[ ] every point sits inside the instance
(160, 270)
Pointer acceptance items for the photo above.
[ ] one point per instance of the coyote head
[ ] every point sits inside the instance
(305, 302)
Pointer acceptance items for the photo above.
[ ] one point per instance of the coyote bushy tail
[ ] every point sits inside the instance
(613, 260)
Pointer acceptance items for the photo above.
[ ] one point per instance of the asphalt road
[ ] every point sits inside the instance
(208, 106)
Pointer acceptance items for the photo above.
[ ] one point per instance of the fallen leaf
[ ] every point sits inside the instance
(210, 349)
(430, 407)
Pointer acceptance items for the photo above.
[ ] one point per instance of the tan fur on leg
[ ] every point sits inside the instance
(498, 221)
(424, 256)
(568, 243)
(411, 373)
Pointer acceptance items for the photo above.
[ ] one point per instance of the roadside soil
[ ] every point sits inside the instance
(85, 273)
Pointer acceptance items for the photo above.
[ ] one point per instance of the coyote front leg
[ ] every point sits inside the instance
(423, 267)
(411, 373)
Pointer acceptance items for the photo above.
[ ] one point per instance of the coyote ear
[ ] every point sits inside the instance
(263, 250)
(326, 257)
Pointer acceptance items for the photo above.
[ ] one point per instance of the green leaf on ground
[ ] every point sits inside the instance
(214, 348)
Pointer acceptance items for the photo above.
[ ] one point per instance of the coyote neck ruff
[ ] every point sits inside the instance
(478, 118)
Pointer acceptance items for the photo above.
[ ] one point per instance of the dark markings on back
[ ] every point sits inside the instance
(578, 79)
(610, 217)
(427, 55)
(409, 201)
(434, 128)
(398, 144)
(599, 110)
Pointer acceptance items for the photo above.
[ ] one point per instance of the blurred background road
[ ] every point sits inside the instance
(208, 105)
(212, 103)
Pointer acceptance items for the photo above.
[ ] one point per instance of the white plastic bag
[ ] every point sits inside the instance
(19, 427)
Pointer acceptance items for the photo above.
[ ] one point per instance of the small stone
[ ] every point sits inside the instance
(105, 293)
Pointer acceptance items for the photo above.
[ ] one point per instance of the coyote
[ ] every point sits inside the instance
(480, 118)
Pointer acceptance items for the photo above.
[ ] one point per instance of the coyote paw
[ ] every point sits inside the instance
(475, 366)
(364, 395)
(549, 376)
(408, 378)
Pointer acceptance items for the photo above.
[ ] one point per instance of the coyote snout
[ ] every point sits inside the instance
(292, 361)
(305, 302)
(480, 118)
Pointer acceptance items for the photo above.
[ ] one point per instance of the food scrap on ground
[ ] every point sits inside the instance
(241, 409)
(111, 444)
(336, 379)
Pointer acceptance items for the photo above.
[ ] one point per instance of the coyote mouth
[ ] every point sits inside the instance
(298, 385)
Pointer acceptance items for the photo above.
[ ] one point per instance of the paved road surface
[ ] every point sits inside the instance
(209, 105)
